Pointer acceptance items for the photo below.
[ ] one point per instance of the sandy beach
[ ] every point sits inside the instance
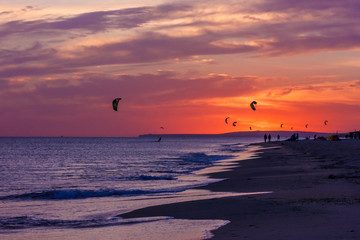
(315, 194)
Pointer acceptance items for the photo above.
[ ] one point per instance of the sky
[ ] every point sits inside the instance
(179, 66)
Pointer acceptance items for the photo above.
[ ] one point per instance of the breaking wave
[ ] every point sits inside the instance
(76, 194)
(22, 222)
(149, 177)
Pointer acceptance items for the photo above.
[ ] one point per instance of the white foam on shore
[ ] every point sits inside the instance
(174, 229)
(230, 163)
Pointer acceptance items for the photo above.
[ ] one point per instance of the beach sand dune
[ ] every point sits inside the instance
(315, 194)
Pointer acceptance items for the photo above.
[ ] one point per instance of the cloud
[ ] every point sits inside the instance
(34, 53)
(5, 12)
(308, 44)
(215, 29)
(4, 84)
(156, 47)
(355, 84)
(91, 21)
(321, 77)
(286, 5)
(280, 93)
(144, 49)
(344, 92)
(29, 8)
(163, 88)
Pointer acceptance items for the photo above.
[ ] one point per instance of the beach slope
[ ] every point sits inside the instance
(315, 194)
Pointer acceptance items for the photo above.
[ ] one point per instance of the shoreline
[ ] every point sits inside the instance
(315, 194)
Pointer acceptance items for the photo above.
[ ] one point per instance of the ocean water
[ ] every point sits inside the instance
(74, 188)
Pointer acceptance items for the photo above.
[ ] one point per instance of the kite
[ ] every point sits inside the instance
(281, 125)
(325, 122)
(115, 103)
(234, 124)
(252, 105)
(226, 120)
(250, 128)
(306, 125)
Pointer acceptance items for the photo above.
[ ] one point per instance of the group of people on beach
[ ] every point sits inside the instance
(295, 137)
(268, 137)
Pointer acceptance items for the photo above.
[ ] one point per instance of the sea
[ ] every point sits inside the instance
(76, 188)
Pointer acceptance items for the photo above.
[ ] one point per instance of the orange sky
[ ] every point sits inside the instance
(182, 65)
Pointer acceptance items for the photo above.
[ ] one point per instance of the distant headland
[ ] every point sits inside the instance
(283, 134)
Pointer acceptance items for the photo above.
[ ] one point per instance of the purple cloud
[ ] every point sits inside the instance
(6, 12)
(4, 84)
(35, 53)
(92, 21)
(292, 46)
(155, 47)
(294, 34)
(146, 48)
(143, 89)
(284, 5)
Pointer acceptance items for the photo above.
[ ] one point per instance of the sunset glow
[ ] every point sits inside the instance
(184, 65)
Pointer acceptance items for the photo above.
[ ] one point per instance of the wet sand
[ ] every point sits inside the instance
(315, 194)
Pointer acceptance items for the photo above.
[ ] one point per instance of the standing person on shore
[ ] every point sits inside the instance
(269, 137)
(278, 137)
(265, 137)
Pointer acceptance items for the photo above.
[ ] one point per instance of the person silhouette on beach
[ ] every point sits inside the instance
(269, 137)
(278, 137)
(265, 137)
